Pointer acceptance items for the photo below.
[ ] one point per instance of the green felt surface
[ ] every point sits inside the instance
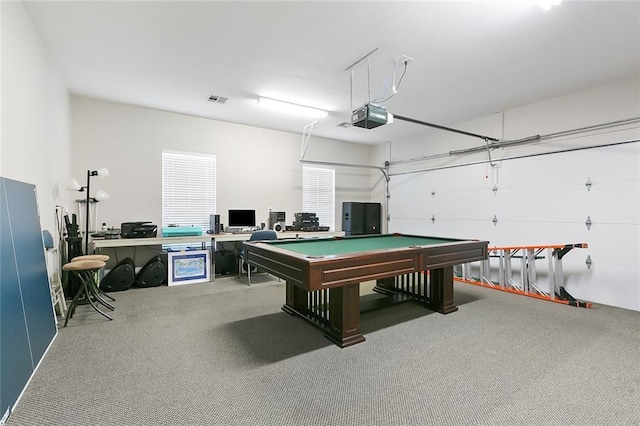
(327, 247)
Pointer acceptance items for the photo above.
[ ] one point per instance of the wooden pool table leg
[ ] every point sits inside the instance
(343, 324)
(344, 315)
(441, 281)
(296, 300)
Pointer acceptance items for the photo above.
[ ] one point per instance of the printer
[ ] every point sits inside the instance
(138, 230)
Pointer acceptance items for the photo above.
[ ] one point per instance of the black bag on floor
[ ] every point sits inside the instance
(152, 274)
(226, 263)
(120, 278)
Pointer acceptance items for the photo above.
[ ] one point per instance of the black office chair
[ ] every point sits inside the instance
(262, 235)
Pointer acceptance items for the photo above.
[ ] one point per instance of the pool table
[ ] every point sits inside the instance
(323, 276)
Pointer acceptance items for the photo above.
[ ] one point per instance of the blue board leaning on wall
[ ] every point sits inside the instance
(27, 318)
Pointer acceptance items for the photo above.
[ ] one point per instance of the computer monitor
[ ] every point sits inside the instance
(239, 218)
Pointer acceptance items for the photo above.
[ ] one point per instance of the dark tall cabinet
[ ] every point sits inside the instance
(361, 218)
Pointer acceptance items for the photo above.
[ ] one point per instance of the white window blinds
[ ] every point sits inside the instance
(318, 194)
(188, 188)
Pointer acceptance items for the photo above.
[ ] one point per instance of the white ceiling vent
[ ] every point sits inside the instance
(217, 99)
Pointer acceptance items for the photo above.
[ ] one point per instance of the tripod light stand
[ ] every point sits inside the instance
(100, 195)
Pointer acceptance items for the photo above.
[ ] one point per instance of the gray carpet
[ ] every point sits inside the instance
(225, 354)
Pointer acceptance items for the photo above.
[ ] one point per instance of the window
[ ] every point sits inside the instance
(318, 194)
(188, 188)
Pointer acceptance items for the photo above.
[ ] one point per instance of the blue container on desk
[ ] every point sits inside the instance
(181, 231)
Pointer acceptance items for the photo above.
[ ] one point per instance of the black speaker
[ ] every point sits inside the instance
(214, 224)
(361, 218)
(372, 218)
(152, 274)
(352, 218)
(121, 277)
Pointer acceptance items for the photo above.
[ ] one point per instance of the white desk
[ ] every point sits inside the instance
(97, 244)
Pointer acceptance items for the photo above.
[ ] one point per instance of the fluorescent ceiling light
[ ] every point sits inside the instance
(548, 4)
(289, 108)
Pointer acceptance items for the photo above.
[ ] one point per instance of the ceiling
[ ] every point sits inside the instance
(470, 59)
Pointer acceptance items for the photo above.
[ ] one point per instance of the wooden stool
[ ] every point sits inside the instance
(85, 270)
(103, 258)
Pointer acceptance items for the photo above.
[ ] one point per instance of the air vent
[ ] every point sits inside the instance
(344, 124)
(217, 99)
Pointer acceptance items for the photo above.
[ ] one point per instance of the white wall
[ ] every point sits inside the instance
(256, 168)
(541, 199)
(34, 147)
